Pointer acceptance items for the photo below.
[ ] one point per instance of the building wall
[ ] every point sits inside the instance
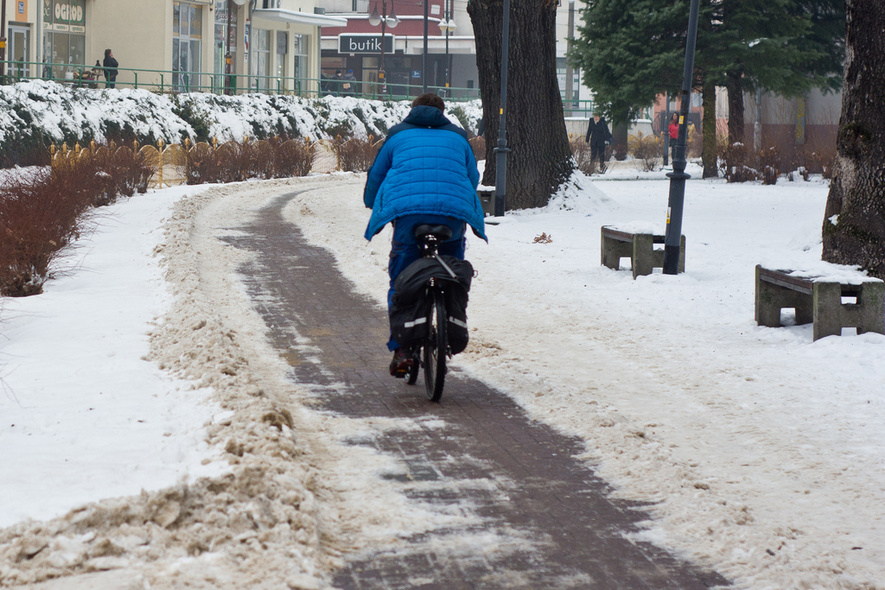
(140, 34)
(145, 46)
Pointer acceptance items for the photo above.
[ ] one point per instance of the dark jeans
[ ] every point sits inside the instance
(111, 81)
(597, 154)
(404, 249)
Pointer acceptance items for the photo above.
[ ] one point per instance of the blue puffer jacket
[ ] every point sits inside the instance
(426, 167)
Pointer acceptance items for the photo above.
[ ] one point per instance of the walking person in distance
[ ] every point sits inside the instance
(598, 136)
(110, 68)
(673, 130)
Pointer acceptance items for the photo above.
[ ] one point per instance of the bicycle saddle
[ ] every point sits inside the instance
(442, 232)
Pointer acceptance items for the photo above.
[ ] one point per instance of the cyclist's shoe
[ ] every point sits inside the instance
(403, 361)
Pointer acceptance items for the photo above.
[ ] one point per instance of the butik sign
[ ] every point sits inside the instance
(367, 44)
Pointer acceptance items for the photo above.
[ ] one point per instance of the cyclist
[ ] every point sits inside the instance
(425, 173)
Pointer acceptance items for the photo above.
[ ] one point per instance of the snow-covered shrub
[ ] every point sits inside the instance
(581, 153)
(293, 157)
(646, 149)
(38, 218)
(36, 114)
(356, 154)
(733, 164)
(43, 212)
(769, 159)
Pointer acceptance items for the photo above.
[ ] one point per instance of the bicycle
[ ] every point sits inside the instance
(435, 348)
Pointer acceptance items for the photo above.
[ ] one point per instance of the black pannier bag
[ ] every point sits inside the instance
(408, 316)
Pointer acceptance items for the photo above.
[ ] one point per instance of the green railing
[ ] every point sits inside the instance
(166, 81)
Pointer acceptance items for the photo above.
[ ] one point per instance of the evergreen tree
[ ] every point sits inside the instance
(629, 52)
(632, 50)
(796, 45)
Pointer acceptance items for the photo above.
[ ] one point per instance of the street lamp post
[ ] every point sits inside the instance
(227, 56)
(3, 39)
(424, 54)
(385, 20)
(447, 26)
(502, 150)
(673, 235)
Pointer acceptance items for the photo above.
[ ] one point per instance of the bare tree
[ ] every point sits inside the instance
(854, 221)
(540, 159)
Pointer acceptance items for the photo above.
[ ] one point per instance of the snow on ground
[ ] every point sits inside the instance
(80, 406)
(757, 447)
(288, 498)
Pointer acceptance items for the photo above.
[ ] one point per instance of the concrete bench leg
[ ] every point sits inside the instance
(804, 307)
(643, 254)
(659, 257)
(770, 299)
(871, 303)
(827, 310)
(831, 315)
(768, 309)
(613, 251)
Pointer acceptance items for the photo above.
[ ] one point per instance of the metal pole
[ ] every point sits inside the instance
(569, 73)
(424, 55)
(3, 38)
(227, 56)
(38, 57)
(666, 127)
(502, 149)
(673, 237)
(383, 30)
(249, 50)
(448, 62)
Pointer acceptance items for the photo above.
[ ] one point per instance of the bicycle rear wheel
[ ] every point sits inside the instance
(435, 346)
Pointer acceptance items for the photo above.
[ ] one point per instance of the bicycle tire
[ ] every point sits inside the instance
(435, 345)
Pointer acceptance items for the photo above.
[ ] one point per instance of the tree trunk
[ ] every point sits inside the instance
(736, 110)
(620, 136)
(540, 158)
(854, 220)
(708, 149)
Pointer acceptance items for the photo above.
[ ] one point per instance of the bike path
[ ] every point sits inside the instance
(517, 477)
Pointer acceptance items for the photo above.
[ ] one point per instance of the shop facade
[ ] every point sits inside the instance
(449, 67)
(177, 45)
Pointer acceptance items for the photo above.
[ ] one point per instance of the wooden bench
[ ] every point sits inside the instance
(638, 247)
(818, 298)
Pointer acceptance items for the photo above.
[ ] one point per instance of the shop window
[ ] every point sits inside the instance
(222, 42)
(187, 36)
(282, 53)
(299, 59)
(261, 46)
(64, 39)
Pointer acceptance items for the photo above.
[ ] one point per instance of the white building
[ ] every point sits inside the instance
(170, 44)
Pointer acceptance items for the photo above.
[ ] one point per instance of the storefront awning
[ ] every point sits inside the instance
(301, 18)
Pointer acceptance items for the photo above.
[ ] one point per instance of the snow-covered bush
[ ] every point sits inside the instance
(44, 211)
(37, 114)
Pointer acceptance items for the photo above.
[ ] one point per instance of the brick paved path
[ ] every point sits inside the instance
(517, 476)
